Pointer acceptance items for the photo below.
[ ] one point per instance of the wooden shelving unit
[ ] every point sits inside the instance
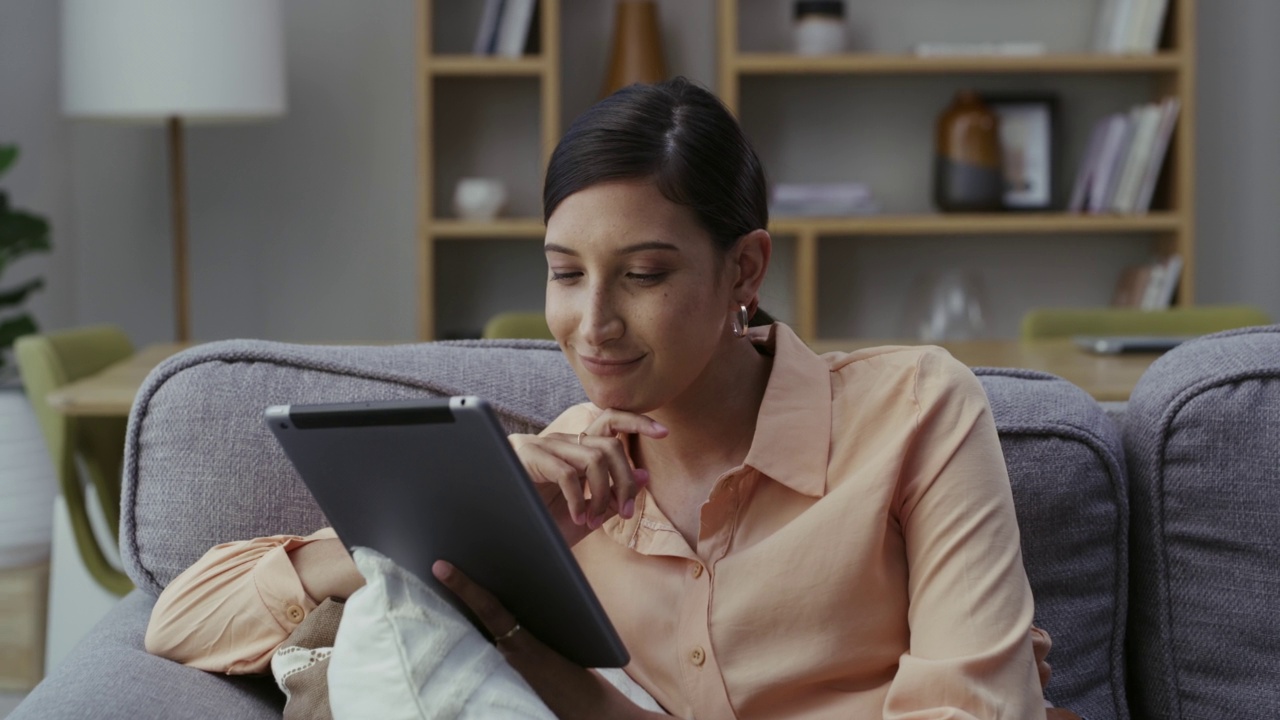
(1171, 227)
(433, 227)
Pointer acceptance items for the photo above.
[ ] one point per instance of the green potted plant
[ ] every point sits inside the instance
(21, 233)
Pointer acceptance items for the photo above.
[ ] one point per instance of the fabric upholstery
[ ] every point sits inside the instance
(110, 676)
(1203, 433)
(202, 469)
(1066, 467)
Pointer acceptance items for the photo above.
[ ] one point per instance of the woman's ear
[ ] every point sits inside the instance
(751, 260)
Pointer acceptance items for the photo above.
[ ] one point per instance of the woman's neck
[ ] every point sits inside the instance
(713, 423)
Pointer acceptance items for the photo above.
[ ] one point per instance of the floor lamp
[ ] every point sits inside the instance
(173, 61)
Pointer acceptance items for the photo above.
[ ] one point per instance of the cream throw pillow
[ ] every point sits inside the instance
(403, 652)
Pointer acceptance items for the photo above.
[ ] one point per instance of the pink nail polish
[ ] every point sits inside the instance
(629, 508)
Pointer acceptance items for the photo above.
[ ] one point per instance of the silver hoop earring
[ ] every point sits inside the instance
(739, 321)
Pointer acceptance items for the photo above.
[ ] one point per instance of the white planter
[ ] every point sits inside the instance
(27, 483)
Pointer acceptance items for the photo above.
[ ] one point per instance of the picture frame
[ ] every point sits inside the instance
(1028, 143)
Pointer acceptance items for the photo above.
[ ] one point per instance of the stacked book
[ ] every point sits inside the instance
(508, 28)
(1129, 26)
(1122, 162)
(1149, 286)
(822, 200)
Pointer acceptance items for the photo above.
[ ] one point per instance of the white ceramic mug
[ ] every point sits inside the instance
(479, 198)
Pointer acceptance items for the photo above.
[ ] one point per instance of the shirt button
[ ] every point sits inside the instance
(294, 613)
(698, 656)
(697, 570)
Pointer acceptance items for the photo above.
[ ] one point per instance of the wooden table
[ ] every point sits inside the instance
(1105, 377)
(110, 392)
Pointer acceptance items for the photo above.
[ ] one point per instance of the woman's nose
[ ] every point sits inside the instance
(600, 320)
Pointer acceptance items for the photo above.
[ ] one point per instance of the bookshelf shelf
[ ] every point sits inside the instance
(484, 66)
(500, 229)
(978, 224)
(747, 64)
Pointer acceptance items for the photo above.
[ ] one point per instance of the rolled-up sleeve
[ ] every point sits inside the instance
(230, 610)
(970, 604)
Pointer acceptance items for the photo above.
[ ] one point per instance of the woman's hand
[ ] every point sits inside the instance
(569, 690)
(586, 479)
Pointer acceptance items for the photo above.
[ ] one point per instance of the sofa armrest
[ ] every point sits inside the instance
(109, 675)
(1201, 435)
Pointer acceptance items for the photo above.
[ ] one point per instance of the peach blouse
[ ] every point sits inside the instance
(863, 561)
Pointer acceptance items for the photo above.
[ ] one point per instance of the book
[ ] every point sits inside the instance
(1172, 272)
(1105, 19)
(1131, 288)
(1153, 25)
(1114, 144)
(1147, 118)
(1088, 167)
(1133, 32)
(822, 199)
(1118, 34)
(979, 49)
(513, 29)
(487, 33)
(1160, 148)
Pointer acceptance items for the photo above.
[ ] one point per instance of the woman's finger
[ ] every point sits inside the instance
(545, 467)
(612, 422)
(488, 610)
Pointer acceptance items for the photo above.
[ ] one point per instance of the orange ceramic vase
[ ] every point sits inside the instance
(968, 173)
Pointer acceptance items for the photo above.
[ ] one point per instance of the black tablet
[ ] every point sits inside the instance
(436, 479)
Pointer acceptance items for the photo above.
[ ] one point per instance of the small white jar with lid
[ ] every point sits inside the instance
(819, 27)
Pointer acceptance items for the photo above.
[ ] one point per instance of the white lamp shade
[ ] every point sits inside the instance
(152, 59)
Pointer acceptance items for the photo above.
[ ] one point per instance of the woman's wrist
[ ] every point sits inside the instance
(325, 570)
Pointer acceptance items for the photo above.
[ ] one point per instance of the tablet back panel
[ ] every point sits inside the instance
(436, 478)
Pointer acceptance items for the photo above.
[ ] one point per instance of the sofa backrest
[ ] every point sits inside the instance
(1066, 466)
(1202, 432)
(202, 469)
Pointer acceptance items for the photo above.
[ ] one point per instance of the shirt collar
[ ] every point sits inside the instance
(792, 441)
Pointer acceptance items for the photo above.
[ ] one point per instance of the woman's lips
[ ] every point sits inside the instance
(609, 366)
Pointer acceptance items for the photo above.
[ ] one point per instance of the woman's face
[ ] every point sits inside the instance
(638, 296)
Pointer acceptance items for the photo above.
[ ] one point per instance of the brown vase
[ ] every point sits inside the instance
(968, 175)
(637, 46)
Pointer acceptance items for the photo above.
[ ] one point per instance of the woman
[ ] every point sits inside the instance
(773, 533)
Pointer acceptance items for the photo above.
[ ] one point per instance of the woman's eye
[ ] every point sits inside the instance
(565, 276)
(646, 278)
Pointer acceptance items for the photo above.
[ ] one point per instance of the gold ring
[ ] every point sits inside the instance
(584, 432)
(507, 635)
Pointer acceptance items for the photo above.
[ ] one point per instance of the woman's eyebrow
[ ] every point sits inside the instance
(638, 247)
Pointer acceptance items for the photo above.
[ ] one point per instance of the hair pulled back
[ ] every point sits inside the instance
(680, 135)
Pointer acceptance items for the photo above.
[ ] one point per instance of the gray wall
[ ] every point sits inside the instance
(303, 228)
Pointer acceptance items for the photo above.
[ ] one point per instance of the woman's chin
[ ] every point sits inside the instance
(613, 399)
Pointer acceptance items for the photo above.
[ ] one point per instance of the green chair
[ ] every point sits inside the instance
(1046, 323)
(46, 363)
(520, 325)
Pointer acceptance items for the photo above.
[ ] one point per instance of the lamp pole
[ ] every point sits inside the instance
(178, 208)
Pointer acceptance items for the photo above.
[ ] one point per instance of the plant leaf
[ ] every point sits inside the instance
(8, 155)
(22, 233)
(17, 295)
(14, 328)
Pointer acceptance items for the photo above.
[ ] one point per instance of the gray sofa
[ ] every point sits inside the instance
(1149, 535)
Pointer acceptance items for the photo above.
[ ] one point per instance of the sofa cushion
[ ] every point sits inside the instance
(110, 676)
(1066, 467)
(201, 468)
(1202, 433)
